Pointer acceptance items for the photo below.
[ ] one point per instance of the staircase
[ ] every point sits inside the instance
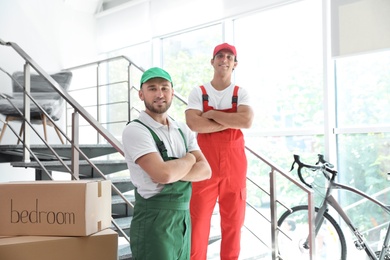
(114, 170)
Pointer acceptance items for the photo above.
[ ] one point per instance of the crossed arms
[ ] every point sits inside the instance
(192, 167)
(215, 121)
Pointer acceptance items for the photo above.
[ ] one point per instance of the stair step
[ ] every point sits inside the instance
(15, 152)
(120, 208)
(124, 223)
(123, 184)
(116, 199)
(105, 166)
(124, 252)
(12, 153)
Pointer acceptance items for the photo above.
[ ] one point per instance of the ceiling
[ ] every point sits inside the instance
(95, 6)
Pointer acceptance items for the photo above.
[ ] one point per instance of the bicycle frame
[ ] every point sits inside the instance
(330, 200)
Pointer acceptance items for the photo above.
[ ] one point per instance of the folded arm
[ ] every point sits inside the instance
(164, 172)
(215, 121)
(200, 170)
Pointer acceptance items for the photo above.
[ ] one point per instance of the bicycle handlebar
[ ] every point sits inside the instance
(321, 165)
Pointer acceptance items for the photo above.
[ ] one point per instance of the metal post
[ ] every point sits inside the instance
(75, 144)
(274, 220)
(27, 115)
(97, 100)
(128, 94)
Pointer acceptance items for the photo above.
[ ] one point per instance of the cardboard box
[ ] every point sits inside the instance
(99, 246)
(54, 208)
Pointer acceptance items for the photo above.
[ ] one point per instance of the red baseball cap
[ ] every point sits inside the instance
(225, 46)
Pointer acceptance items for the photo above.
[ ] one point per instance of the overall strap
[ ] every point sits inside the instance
(235, 98)
(160, 144)
(205, 97)
(184, 139)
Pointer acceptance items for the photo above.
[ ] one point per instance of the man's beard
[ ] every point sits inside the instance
(158, 110)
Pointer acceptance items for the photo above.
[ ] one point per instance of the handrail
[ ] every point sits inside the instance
(274, 201)
(79, 110)
(131, 63)
(107, 60)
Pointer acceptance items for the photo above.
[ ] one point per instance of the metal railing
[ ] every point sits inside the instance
(80, 111)
(74, 140)
(275, 170)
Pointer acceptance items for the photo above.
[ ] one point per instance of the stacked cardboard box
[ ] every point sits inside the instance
(56, 220)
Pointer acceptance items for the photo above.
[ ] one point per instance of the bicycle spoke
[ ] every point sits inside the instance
(330, 242)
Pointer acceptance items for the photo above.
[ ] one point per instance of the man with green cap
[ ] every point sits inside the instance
(163, 158)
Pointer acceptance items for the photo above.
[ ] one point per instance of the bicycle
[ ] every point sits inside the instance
(330, 242)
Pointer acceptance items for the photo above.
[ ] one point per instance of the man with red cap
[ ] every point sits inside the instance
(217, 111)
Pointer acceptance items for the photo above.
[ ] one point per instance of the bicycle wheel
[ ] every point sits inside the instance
(330, 241)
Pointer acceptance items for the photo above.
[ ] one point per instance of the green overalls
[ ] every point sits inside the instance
(161, 225)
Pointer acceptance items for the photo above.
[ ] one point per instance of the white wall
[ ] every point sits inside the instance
(53, 33)
(360, 26)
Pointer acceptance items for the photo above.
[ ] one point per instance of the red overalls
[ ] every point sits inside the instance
(225, 152)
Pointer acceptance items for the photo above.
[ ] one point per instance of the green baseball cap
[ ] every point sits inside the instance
(155, 73)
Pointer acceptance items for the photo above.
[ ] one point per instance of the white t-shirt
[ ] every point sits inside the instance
(219, 99)
(138, 141)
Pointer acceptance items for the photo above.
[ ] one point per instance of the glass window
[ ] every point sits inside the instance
(107, 90)
(364, 161)
(363, 134)
(363, 119)
(187, 58)
(281, 66)
(139, 54)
